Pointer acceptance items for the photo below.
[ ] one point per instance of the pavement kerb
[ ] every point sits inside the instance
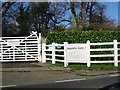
(98, 73)
(31, 69)
(81, 73)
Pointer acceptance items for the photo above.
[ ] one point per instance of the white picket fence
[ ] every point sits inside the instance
(49, 52)
(14, 49)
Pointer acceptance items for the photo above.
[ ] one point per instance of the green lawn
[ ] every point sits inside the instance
(94, 67)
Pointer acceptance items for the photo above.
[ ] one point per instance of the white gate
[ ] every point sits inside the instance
(20, 48)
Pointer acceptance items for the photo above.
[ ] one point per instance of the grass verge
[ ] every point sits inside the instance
(94, 67)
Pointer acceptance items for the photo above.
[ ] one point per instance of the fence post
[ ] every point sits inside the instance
(115, 54)
(43, 53)
(88, 51)
(53, 53)
(1, 52)
(39, 47)
(65, 54)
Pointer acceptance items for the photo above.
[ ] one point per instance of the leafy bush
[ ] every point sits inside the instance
(75, 36)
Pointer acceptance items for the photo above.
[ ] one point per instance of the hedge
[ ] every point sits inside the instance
(75, 36)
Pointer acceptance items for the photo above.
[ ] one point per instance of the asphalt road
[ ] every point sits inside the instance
(111, 82)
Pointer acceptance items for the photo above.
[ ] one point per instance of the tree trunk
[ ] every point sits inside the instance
(74, 16)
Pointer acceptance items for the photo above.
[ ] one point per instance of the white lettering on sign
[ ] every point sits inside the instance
(77, 52)
(13, 42)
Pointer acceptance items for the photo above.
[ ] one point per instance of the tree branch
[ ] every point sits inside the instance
(60, 21)
(9, 4)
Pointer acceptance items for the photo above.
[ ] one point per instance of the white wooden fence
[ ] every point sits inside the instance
(20, 48)
(49, 52)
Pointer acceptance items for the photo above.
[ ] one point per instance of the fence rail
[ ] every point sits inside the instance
(62, 49)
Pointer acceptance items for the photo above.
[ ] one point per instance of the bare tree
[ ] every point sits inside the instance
(59, 10)
(89, 14)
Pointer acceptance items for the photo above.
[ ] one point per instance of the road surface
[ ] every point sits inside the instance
(111, 82)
